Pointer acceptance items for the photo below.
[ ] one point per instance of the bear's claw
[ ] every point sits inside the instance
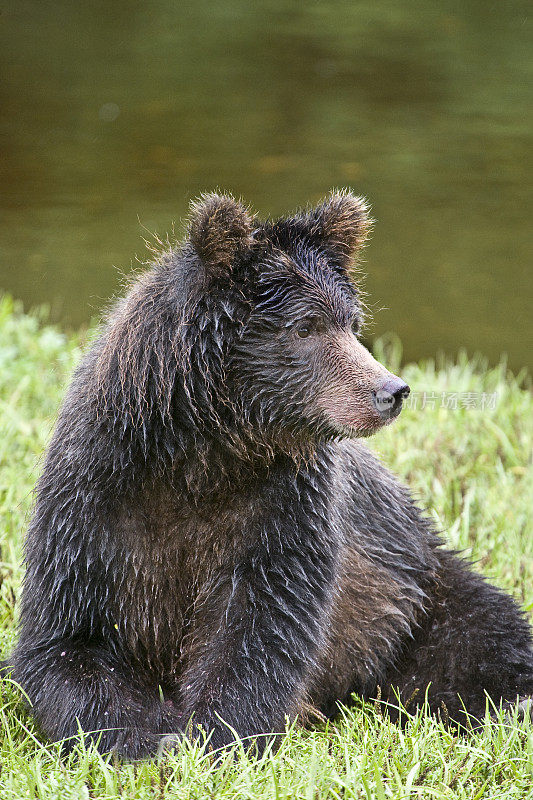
(167, 743)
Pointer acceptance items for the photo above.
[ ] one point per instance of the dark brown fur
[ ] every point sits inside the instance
(210, 542)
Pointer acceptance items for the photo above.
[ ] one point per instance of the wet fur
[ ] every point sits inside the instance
(205, 544)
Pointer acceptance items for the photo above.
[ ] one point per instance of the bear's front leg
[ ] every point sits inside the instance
(256, 634)
(72, 685)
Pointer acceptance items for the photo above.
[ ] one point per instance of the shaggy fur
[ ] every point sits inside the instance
(210, 539)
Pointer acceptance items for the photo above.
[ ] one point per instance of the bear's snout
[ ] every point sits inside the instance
(361, 394)
(389, 397)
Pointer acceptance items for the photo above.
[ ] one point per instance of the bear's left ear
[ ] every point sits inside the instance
(341, 222)
(220, 230)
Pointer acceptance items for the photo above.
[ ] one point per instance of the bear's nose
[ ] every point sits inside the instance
(388, 398)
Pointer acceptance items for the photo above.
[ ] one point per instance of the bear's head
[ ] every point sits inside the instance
(282, 313)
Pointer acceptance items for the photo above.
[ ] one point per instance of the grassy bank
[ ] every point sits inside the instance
(464, 446)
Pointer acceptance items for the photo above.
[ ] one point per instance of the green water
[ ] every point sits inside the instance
(114, 114)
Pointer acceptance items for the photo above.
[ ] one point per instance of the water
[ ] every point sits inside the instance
(115, 114)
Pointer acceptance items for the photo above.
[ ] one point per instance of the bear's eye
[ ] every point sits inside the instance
(309, 326)
(356, 326)
(303, 331)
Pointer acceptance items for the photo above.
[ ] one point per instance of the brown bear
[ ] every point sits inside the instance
(212, 546)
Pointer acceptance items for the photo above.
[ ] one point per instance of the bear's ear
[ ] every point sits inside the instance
(220, 230)
(341, 222)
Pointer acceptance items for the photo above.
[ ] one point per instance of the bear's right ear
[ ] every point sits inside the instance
(341, 222)
(220, 230)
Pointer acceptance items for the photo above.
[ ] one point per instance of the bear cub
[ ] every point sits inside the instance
(212, 546)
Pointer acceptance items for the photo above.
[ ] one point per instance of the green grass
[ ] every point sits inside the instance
(471, 468)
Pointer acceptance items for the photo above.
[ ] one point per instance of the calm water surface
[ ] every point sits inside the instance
(115, 114)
